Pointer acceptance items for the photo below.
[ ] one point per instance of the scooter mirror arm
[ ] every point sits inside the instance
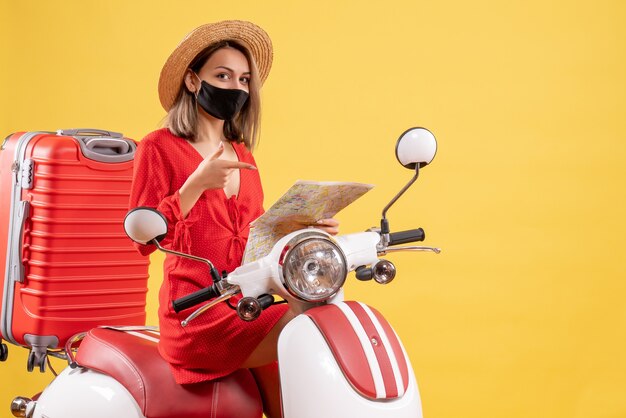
(214, 274)
(225, 296)
(384, 223)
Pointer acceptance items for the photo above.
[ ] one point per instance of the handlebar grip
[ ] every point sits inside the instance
(194, 298)
(404, 237)
(266, 301)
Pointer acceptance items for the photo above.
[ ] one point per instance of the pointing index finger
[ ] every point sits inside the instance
(239, 164)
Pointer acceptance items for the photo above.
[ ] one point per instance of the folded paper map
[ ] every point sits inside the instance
(305, 203)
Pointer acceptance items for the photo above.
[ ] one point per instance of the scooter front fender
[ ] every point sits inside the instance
(80, 393)
(313, 384)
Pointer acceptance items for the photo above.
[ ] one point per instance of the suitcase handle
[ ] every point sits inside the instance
(101, 145)
(89, 131)
(16, 272)
(107, 146)
(108, 150)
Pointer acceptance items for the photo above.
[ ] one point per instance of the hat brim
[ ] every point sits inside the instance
(251, 36)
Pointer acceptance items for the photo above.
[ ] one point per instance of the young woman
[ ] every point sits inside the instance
(199, 172)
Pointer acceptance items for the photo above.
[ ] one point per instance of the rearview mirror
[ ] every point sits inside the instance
(416, 146)
(143, 225)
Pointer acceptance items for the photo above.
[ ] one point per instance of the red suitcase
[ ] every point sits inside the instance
(68, 264)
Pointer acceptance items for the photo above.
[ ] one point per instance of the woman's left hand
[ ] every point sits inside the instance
(330, 225)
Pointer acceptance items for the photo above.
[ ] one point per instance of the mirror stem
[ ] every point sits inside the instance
(214, 274)
(384, 224)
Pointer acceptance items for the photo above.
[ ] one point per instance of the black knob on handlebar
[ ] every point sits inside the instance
(363, 273)
(195, 298)
(266, 301)
(404, 237)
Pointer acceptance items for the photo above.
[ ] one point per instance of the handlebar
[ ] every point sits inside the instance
(404, 237)
(195, 298)
(211, 292)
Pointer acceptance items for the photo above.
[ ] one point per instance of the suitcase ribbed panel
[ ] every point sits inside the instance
(81, 269)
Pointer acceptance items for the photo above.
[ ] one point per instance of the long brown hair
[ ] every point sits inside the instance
(182, 118)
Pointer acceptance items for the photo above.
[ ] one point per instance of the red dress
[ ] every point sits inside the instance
(218, 342)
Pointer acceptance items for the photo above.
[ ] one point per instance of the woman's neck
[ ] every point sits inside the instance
(210, 129)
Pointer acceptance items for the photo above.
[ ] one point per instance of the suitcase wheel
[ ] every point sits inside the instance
(4, 352)
(36, 359)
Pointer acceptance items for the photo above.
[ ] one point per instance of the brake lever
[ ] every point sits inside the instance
(225, 296)
(410, 248)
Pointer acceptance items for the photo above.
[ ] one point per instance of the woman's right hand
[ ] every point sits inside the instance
(211, 173)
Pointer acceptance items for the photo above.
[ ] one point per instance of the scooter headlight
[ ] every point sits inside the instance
(314, 268)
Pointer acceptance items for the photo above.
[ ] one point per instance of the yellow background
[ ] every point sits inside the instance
(523, 313)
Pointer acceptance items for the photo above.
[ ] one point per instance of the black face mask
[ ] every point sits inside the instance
(220, 103)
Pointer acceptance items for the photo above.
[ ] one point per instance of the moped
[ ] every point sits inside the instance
(335, 359)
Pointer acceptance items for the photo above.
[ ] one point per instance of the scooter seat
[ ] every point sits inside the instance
(131, 357)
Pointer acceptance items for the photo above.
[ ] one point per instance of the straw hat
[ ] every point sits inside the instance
(248, 34)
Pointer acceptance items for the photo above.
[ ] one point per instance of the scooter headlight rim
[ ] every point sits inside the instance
(313, 267)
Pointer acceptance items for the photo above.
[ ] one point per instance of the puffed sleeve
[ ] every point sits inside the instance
(151, 187)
